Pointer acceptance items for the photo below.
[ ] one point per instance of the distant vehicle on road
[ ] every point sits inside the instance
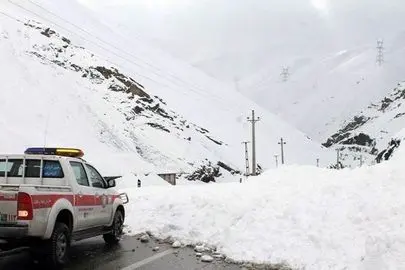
(50, 197)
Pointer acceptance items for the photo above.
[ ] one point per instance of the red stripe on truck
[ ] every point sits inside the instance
(48, 200)
(85, 200)
(40, 201)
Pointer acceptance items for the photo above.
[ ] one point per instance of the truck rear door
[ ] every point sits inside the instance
(10, 174)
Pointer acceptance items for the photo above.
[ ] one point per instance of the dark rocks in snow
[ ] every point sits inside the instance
(227, 168)
(146, 99)
(202, 130)
(344, 133)
(385, 103)
(116, 88)
(158, 126)
(48, 32)
(131, 86)
(137, 110)
(360, 139)
(215, 141)
(76, 67)
(387, 153)
(33, 24)
(399, 115)
(136, 91)
(206, 173)
(157, 109)
(66, 40)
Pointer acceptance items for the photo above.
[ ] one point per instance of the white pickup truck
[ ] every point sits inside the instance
(50, 197)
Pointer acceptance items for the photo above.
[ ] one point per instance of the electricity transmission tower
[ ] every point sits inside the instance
(246, 157)
(380, 52)
(285, 74)
(282, 143)
(253, 120)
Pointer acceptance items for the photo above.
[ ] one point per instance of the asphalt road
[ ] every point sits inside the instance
(130, 254)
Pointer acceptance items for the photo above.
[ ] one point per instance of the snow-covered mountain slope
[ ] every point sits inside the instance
(70, 80)
(370, 130)
(329, 47)
(320, 93)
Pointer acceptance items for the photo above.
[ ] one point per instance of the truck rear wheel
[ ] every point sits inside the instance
(57, 247)
(116, 230)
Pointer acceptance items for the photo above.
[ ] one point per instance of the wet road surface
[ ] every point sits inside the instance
(130, 254)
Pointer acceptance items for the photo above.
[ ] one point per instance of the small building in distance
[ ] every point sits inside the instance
(169, 177)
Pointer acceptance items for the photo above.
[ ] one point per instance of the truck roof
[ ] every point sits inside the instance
(47, 152)
(29, 156)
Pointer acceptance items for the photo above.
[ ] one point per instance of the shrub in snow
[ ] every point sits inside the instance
(337, 166)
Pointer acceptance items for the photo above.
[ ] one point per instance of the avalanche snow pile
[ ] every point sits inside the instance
(302, 217)
(69, 80)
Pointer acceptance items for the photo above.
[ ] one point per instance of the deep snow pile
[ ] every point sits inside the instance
(302, 216)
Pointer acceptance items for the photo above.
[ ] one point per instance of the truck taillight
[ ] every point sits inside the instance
(24, 206)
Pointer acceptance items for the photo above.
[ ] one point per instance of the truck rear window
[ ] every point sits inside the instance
(14, 168)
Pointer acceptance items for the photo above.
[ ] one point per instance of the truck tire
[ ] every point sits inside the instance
(116, 229)
(57, 247)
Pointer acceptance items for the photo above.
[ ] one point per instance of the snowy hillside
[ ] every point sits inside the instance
(329, 48)
(301, 217)
(370, 130)
(130, 107)
(321, 93)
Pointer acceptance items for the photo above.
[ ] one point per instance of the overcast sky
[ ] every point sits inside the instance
(248, 33)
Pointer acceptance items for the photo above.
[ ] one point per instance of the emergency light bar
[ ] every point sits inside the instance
(67, 152)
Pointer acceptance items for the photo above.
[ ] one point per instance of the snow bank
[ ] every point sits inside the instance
(130, 180)
(304, 216)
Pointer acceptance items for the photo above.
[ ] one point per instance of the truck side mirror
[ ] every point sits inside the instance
(111, 183)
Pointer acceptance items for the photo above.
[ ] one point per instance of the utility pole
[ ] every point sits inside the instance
(285, 74)
(337, 157)
(282, 143)
(246, 158)
(317, 162)
(276, 156)
(380, 52)
(253, 120)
